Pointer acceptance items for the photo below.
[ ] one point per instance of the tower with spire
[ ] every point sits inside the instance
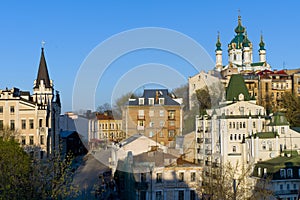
(48, 104)
(218, 51)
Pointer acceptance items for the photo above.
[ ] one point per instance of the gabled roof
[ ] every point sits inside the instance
(43, 72)
(236, 87)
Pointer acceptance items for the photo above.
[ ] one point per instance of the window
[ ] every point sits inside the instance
(143, 177)
(241, 125)
(287, 186)
(161, 101)
(161, 123)
(151, 124)
(151, 101)
(234, 149)
(259, 171)
(171, 114)
(141, 123)
(141, 114)
(180, 195)
(1, 109)
(12, 109)
(230, 125)
(281, 187)
(282, 173)
(192, 195)
(230, 136)
(31, 124)
(181, 177)
(40, 122)
(171, 133)
(161, 134)
(151, 134)
(240, 137)
(290, 173)
(12, 124)
(158, 195)
(42, 139)
(263, 144)
(158, 177)
(30, 140)
(141, 101)
(1, 124)
(23, 122)
(171, 123)
(23, 140)
(151, 113)
(244, 124)
(233, 124)
(193, 176)
(253, 124)
(161, 113)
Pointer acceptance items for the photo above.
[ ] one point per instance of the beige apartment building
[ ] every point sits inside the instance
(157, 114)
(33, 118)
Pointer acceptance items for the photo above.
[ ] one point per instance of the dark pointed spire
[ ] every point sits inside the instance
(218, 44)
(43, 72)
(261, 44)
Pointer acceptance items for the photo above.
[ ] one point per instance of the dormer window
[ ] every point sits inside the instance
(141, 101)
(290, 173)
(151, 101)
(161, 101)
(282, 173)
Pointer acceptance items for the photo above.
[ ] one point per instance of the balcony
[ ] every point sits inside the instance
(140, 128)
(171, 127)
(141, 117)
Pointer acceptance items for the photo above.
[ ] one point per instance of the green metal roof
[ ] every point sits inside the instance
(236, 87)
(257, 64)
(279, 119)
(265, 135)
(280, 162)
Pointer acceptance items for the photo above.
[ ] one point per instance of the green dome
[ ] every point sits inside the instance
(261, 44)
(239, 29)
(218, 44)
(246, 41)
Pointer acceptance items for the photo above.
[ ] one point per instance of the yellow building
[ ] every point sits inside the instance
(33, 118)
(109, 128)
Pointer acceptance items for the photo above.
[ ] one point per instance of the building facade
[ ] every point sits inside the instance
(33, 118)
(157, 114)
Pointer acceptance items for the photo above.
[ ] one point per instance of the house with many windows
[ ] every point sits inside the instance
(34, 118)
(156, 114)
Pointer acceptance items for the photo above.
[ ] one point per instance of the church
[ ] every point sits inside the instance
(33, 119)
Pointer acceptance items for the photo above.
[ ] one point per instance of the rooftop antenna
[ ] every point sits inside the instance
(283, 65)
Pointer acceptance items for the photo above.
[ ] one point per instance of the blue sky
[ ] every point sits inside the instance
(72, 29)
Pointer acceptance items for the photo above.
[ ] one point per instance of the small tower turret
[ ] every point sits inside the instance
(262, 50)
(218, 51)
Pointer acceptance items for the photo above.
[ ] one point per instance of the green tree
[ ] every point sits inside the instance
(14, 171)
(230, 181)
(120, 103)
(291, 105)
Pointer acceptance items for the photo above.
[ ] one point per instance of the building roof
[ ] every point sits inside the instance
(278, 119)
(236, 87)
(265, 135)
(280, 162)
(65, 134)
(43, 72)
(156, 94)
